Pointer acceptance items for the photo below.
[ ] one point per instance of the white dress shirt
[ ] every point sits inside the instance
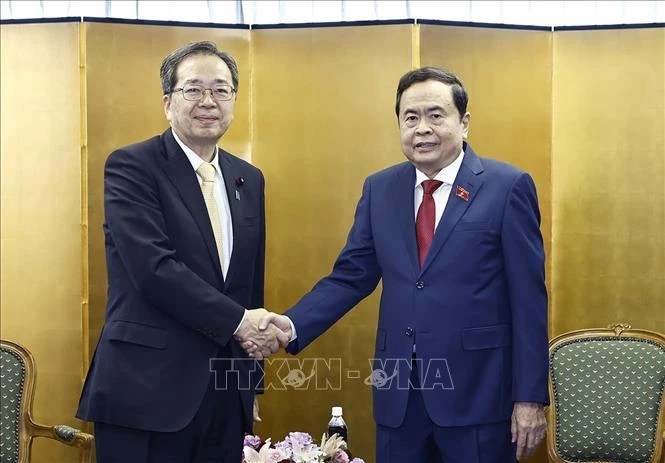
(220, 197)
(447, 176)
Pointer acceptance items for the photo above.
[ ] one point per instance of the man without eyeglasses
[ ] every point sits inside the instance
(463, 315)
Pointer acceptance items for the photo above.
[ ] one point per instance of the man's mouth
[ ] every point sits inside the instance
(425, 145)
(206, 119)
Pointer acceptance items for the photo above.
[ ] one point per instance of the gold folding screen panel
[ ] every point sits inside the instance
(608, 179)
(508, 75)
(582, 111)
(323, 120)
(41, 258)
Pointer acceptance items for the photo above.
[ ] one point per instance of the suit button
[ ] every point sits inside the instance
(409, 331)
(420, 284)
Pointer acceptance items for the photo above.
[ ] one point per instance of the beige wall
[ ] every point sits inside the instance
(608, 179)
(41, 263)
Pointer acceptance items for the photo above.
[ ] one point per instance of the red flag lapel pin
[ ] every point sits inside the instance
(462, 193)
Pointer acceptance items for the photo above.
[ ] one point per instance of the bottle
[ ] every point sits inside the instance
(337, 425)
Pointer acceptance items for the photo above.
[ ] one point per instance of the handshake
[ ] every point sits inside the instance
(262, 333)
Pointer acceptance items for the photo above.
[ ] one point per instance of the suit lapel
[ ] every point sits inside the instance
(403, 189)
(179, 170)
(463, 192)
(230, 174)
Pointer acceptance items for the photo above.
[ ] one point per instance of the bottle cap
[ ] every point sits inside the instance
(337, 411)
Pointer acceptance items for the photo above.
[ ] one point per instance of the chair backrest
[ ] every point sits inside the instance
(606, 388)
(16, 386)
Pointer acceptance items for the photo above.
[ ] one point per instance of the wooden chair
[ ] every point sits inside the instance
(607, 400)
(17, 427)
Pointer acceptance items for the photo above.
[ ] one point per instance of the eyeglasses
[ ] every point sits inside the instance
(221, 92)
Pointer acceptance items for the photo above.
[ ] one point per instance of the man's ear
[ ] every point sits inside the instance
(466, 119)
(167, 106)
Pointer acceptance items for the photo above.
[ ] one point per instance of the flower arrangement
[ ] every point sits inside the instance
(297, 447)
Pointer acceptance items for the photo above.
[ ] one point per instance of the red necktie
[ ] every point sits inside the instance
(425, 219)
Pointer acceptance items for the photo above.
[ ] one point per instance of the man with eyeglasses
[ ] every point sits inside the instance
(185, 247)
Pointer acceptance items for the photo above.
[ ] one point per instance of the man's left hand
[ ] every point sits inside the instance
(257, 418)
(528, 427)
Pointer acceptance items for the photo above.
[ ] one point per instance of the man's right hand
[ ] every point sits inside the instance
(270, 321)
(260, 343)
(280, 321)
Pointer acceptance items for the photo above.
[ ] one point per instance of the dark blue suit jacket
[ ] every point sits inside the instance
(169, 308)
(477, 309)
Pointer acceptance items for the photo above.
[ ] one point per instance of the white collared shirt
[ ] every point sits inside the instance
(446, 175)
(220, 197)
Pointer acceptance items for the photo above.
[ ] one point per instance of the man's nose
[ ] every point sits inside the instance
(207, 98)
(423, 126)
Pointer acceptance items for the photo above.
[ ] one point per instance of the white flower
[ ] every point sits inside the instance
(332, 445)
(308, 453)
(265, 455)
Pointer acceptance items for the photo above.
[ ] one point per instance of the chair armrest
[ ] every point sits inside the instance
(68, 436)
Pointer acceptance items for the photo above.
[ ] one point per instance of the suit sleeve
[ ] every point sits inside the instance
(137, 229)
(524, 256)
(354, 276)
(258, 288)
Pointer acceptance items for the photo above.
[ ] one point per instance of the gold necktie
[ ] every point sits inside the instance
(207, 173)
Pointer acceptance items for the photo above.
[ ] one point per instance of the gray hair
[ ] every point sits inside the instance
(169, 69)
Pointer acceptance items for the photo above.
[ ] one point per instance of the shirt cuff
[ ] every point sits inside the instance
(294, 335)
(242, 320)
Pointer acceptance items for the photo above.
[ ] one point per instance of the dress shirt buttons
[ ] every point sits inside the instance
(420, 284)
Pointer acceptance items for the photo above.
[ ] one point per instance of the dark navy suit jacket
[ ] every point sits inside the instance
(477, 309)
(170, 310)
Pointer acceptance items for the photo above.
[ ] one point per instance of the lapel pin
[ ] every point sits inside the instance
(239, 183)
(462, 193)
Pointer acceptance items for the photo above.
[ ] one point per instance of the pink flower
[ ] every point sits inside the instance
(276, 455)
(297, 448)
(340, 457)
